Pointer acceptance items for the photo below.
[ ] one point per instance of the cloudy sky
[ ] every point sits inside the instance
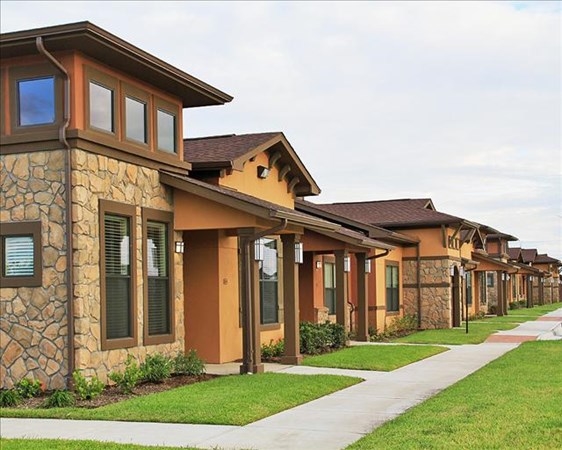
(457, 101)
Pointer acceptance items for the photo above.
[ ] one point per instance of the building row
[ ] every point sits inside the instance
(119, 236)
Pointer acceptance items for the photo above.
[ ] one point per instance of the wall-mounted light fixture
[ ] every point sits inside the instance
(452, 271)
(263, 172)
(318, 264)
(259, 249)
(299, 252)
(462, 272)
(347, 264)
(179, 246)
(367, 266)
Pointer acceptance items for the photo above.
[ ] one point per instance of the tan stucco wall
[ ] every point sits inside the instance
(98, 177)
(270, 188)
(33, 323)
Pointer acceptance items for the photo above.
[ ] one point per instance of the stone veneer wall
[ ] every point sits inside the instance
(492, 291)
(33, 320)
(98, 177)
(435, 291)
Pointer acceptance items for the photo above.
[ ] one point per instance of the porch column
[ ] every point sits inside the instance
(341, 290)
(362, 303)
(500, 293)
(529, 288)
(541, 290)
(291, 354)
(249, 283)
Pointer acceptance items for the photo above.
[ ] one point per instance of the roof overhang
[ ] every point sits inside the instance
(117, 53)
(490, 264)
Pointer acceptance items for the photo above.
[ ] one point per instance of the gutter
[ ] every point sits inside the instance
(247, 315)
(68, 200)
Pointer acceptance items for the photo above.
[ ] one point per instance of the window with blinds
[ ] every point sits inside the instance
(392, 290)
(269, 283)
(158, 278)
(330, 287)
(118, 277)
(20, 254)
(469, 288)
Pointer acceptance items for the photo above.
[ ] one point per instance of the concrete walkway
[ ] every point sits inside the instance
(330, 422)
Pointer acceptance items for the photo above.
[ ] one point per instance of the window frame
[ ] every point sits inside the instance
(329, 265)
(154, 215)
(109, 82)
(172, 109)
(277, 286)
(388, 301)
(128, 211)
(17, 229)
(17, 74)
(490, 280)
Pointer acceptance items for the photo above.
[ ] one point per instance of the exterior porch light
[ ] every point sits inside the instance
(179, 246)
(461, 273)
(299, 256)
(452, 271)
(318, 264)
(367, 266)
(259, 249)
(263, 172)
(347, 264)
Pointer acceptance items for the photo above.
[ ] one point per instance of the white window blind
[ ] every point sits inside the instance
(18, 251)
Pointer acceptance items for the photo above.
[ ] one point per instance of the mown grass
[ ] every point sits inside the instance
(230, 400)
(59, 444)
(512, 403)
(373, 357)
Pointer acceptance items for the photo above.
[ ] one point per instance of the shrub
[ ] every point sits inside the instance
(189, 364)
(492, 309)
(479, 315)
(321, 337)
(156, 368)
(87, 389)
(400, 326)
(60, 399)
(514, 305)
(273, 349)
(9, 397)
(127, 380)
(337, 337)
(28, 388)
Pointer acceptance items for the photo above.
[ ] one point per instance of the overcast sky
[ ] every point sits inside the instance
(457, 101)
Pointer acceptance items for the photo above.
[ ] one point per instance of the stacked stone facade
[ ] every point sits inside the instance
(435, 291)
(33, 320)
(96, 177)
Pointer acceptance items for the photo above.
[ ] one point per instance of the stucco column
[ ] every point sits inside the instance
(249, 284)
(529, 288)
(500, 303)
(291, 354)
(341, 290)
(362, 303)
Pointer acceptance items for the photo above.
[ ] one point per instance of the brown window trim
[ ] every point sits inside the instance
(155, 215)
(173, 109)
(124, 210)
(135, 93)
(271, 326)
(23, 229)
(392, 311)
(30, 72)
(107, 81)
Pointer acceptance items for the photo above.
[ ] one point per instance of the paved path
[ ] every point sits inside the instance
(331, 422)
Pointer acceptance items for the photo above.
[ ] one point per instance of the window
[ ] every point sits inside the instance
(330, 287)
(166, 126)
(482, 284)
(158, 276)
(135, 120)
(36, 101)
(269, 282)
(469, 288)
(101, 107)
(118, 275)
(20, 254)
(392, 290)
(490, 278)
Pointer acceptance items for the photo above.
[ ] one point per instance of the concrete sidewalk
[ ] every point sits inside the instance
(330, 422)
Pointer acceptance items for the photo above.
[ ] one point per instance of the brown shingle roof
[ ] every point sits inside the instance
(219, 149)
(528, 254)
(545, 259)
(393, 213)
(514, 253)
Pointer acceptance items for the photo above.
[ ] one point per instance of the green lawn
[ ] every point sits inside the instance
(231, 400)
(512, 403)
(478, 331)
(373, 357)
(59, 444)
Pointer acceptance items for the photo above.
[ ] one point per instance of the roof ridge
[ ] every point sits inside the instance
(222, 136)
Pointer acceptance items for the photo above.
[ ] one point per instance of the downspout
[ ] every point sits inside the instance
(247, 313)
(386, 252)
(68, 200)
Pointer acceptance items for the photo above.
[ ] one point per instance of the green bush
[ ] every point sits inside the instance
(60, 399)
(28, 388)
(189, 364)
(400, 326)
(87, 389)
(156, 368)
(492, 309)
(127, 380)
(9, 397)
(479, 315)
(316, 338)
(273, 349)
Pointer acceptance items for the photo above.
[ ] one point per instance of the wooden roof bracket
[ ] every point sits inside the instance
(284, 171)
(292, 184)
(273, 158)
(444, 235)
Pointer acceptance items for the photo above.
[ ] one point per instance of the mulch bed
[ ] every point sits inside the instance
(112, 394)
